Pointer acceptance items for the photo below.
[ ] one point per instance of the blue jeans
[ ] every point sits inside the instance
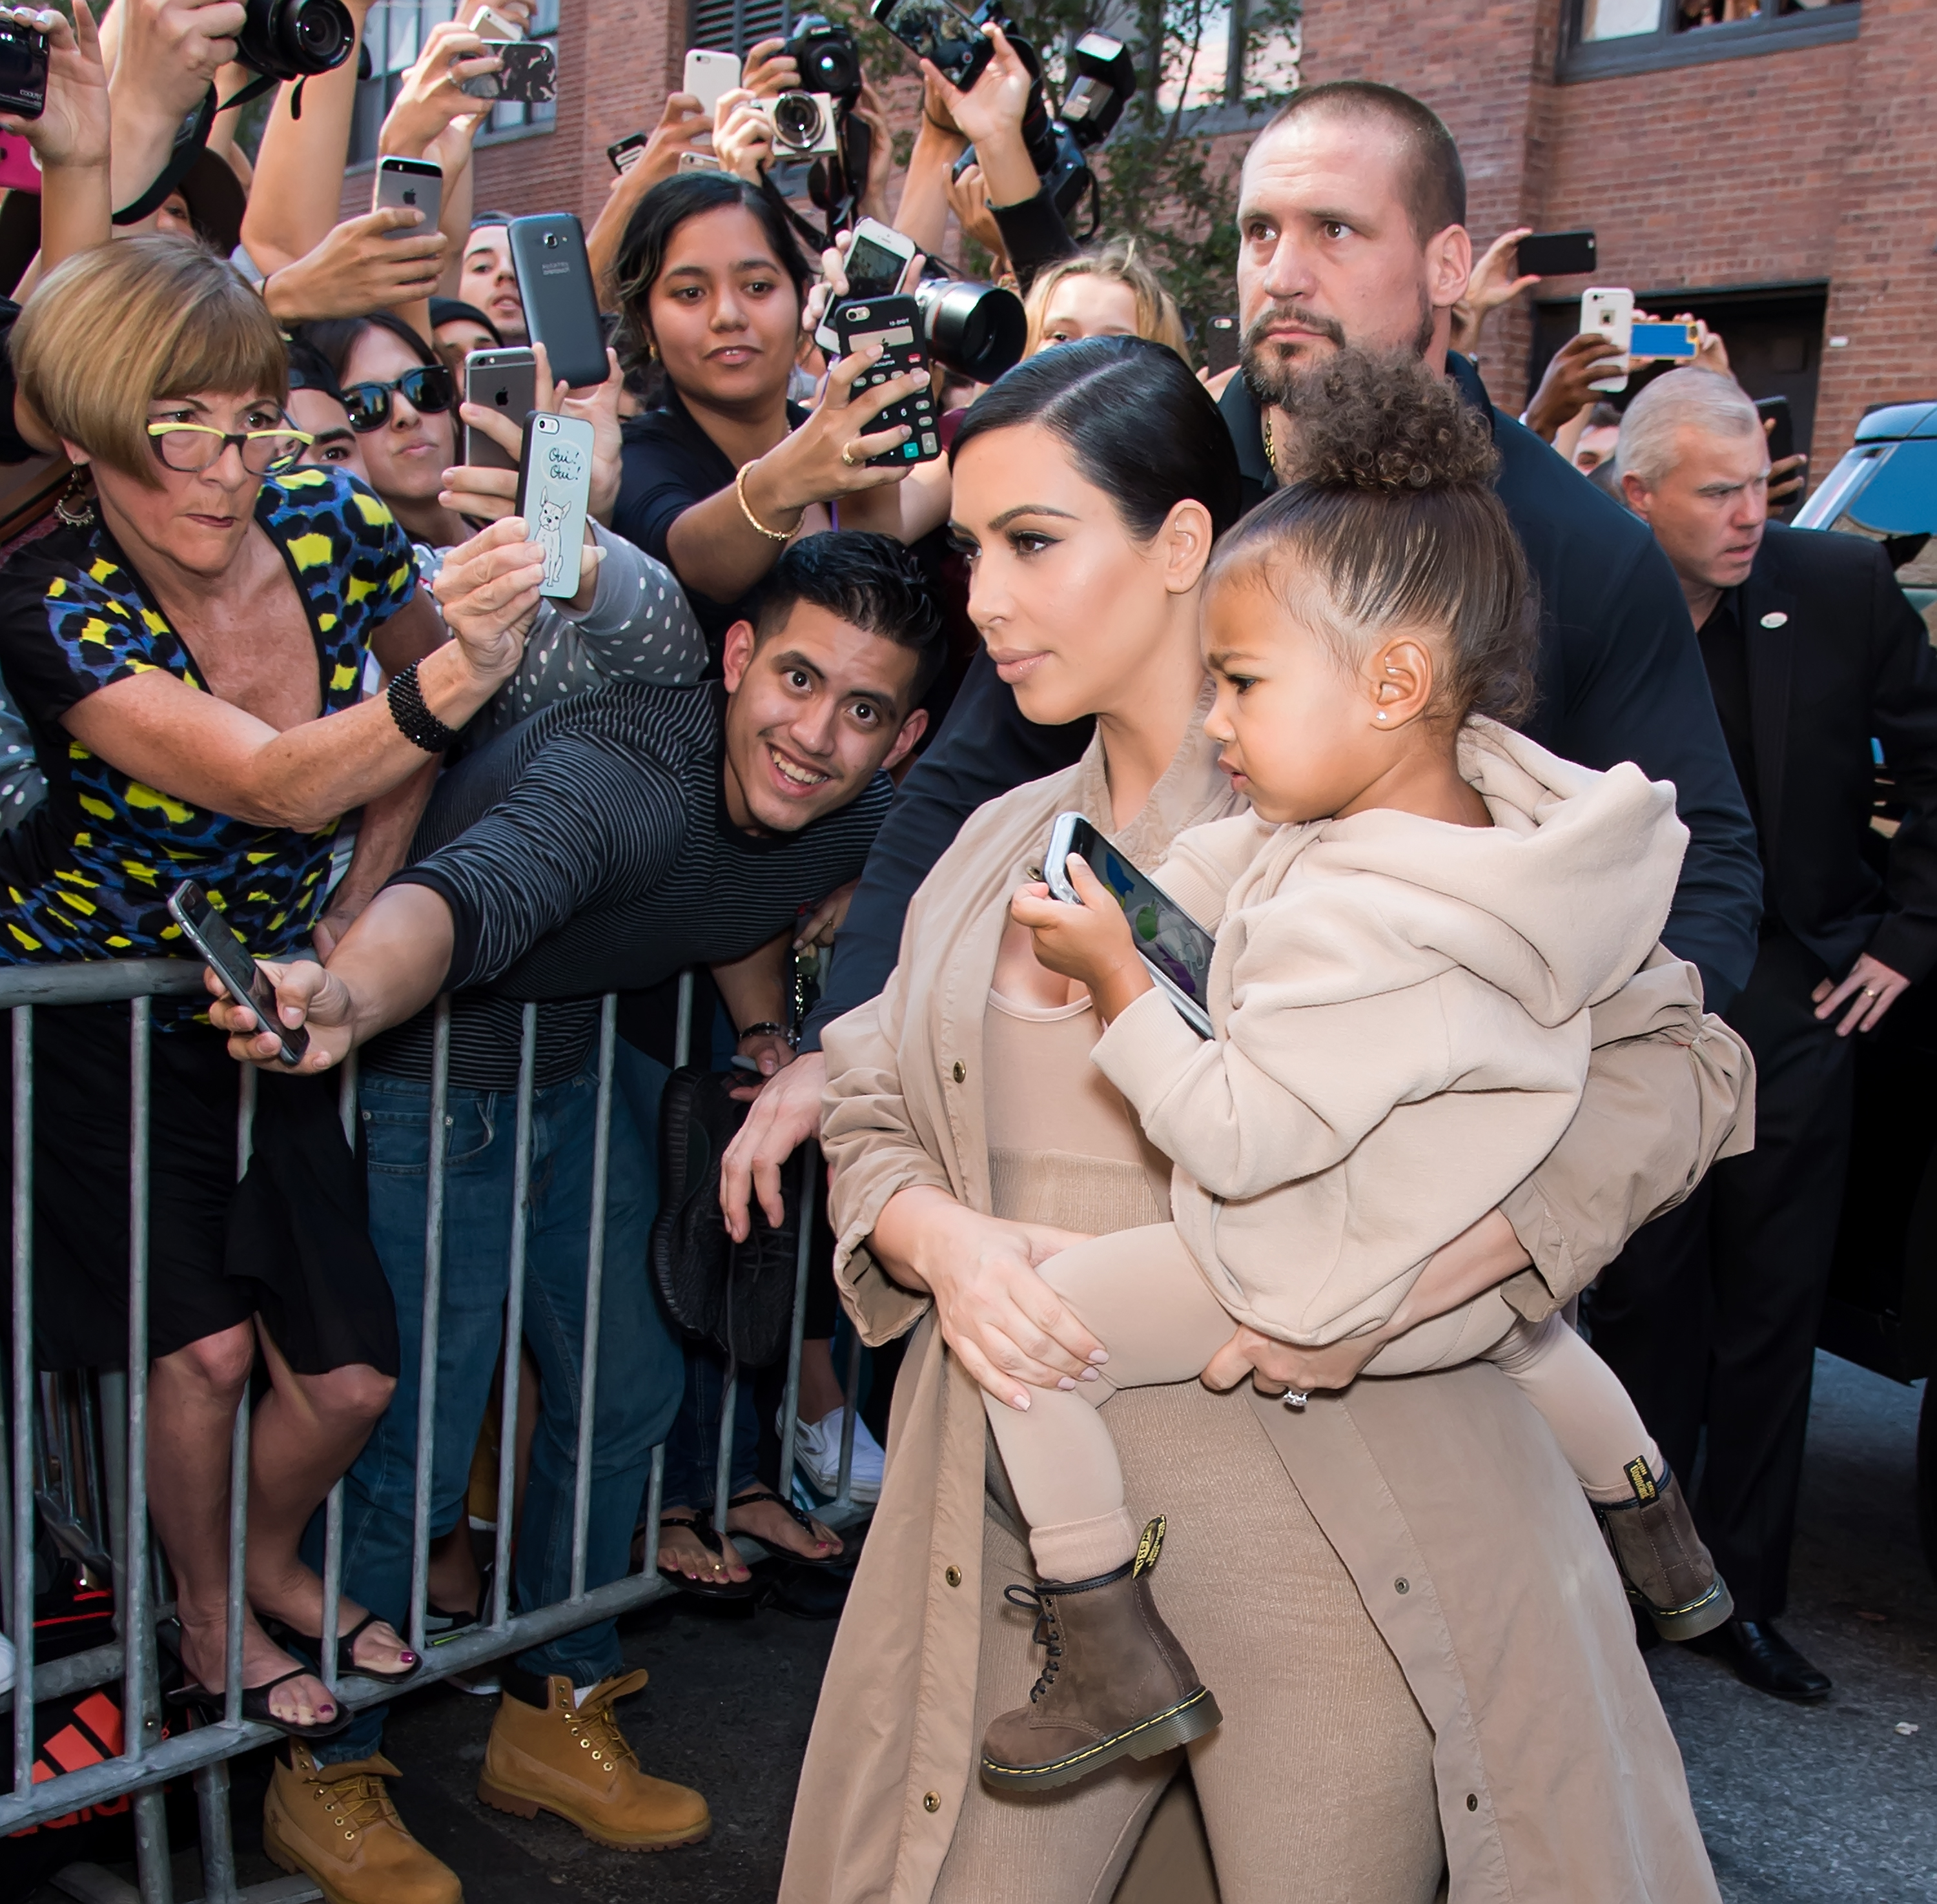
(641, 1378)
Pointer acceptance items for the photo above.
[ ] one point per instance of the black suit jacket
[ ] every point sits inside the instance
(1620, 679)
(1837, 657)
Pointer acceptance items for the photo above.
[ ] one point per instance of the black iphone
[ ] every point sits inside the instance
(242, 978)
(894, 324)
(1556, 254)
(555, 281)
(941, 32)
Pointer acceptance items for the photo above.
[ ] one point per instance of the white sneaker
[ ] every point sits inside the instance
(816, 1453)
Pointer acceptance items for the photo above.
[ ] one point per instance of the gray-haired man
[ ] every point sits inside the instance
(1710, 1314)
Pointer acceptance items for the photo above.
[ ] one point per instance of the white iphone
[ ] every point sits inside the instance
(554, 491)
(1611, 311)
(708, 74)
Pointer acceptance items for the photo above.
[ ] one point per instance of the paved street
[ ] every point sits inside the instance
(1828, 1805)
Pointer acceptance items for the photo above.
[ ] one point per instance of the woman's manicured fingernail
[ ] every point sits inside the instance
(1090, 1374)
(1099, 1355)
(1019, 1400)
(1065, 1382)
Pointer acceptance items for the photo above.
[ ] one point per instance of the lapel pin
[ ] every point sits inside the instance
(1775, 618)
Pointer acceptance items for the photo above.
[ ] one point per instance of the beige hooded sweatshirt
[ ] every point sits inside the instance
(1401, 1007)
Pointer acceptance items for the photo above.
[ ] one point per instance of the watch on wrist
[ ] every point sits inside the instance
(766, 1027)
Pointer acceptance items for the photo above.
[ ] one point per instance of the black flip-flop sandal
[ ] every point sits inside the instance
(805, 1520)
(346, 1654)
(703, 1531)
(212, 1706)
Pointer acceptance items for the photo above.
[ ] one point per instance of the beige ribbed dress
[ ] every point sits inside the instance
(1327, 1793)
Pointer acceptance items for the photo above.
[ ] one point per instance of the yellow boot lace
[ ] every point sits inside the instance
(356, 1803)
(595, 1727)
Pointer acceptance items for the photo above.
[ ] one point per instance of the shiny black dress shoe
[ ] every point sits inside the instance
(1759, 1656)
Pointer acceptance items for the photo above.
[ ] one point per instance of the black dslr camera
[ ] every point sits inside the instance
(1103, 81)
(294, 39)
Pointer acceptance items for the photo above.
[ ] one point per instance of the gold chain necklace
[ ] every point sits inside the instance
(1271, 451)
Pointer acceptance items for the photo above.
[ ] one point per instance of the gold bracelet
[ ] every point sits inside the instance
(746, 508)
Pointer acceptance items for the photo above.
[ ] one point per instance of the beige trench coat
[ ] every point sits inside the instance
(1557, 1776)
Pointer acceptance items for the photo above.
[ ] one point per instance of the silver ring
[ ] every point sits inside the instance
(1295, 1398)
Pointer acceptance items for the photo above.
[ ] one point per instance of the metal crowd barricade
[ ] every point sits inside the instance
(85, 1458)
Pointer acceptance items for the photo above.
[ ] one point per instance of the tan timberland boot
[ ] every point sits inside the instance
(573, 1760)
(1115, 1683)
(335, 1824)
(1668, 1573)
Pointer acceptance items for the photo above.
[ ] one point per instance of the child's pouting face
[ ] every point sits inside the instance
(1305, 734)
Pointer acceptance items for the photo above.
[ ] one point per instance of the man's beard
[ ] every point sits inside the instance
(1290, 381)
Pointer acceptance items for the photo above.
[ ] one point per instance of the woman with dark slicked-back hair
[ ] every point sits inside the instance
(1325, 1565)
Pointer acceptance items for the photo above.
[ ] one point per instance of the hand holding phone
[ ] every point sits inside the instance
(554, 495)
(242, 978)
(1176, 949)
(1610, 311)
(410, 185)
(555, 281)
(506, 382)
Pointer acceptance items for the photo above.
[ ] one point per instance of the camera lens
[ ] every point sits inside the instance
(294, 39)
(977, 330)
(797, 120)
(552, 240)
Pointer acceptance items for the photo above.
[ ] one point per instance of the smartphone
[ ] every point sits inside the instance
(877, 259)
(939, 31)
(527, 72)
(626, 153)
(19, 164)
(504, 380)
(1176, 948)
(894, 324)
(1782, 438)
(1661, 340)
(415, 183)
(23, 71)
(700, 161)
(554, 491)
(555, 281)
(1556, 254)
(488, 25)
(244, 980)
(1609, 310)
(1222, 338)
(708, 74)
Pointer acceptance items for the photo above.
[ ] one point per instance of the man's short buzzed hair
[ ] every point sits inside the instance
(862, 577)
(1435, 186)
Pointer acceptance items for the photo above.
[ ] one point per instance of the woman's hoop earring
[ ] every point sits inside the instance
(74, 507)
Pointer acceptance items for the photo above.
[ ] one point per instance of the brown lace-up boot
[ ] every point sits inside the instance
(335, 1825)
(1668, 1571)
(1115, 1681)
(572, 1760)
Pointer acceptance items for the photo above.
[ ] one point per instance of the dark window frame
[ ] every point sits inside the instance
(1772, 31)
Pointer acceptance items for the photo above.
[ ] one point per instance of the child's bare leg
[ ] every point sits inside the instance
(1599, 1430)
(1138, 1292)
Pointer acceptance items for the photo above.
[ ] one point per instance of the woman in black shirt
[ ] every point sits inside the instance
(712, 287)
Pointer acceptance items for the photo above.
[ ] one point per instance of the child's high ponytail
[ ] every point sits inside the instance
(1390, 511)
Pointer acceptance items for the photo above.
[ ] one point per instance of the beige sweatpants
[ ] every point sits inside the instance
(1140, 1294)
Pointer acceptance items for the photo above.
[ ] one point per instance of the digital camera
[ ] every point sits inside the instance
(294, 39)
(804, 124)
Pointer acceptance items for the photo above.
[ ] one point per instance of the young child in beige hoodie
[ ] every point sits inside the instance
(1411, 924)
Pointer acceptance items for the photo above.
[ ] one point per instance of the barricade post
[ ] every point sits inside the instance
(109, 1440)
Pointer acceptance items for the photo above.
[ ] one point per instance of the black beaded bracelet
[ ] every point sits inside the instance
(420, 726)
(766, 1027)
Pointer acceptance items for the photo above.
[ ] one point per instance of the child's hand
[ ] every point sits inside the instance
(1090, 942)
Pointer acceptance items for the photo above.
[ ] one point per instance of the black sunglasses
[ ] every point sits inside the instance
(429, 389)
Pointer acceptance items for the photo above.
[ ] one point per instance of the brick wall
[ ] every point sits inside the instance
(1783, 168)
(1883, 278)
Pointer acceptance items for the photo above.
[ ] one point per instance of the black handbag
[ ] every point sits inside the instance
(738, 1297)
